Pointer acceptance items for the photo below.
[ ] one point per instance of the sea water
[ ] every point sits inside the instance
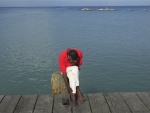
(115, 45)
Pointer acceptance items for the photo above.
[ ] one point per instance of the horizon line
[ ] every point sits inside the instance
(77, 6)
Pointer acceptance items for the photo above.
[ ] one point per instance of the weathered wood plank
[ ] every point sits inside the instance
(116, 103)
(44, 104)
(26, 104)
(58, 107)
(9, 103)
(1, 97)
(134, 103)
(145, 97)
(98, 103)
(84, 107)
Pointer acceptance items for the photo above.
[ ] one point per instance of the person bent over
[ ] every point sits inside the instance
(70, 61)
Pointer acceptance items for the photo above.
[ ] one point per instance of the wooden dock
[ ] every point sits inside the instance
(127, 102)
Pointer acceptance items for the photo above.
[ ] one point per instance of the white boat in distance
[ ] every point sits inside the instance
(106, 9)
(87, 9)
(130, 10)
(145, 10)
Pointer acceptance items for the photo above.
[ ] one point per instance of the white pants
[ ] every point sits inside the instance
(73, 75)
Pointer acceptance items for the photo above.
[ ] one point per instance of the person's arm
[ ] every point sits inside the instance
(67, 82)
(63, 71)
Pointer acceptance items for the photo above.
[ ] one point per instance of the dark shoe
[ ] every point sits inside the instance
(65, 102)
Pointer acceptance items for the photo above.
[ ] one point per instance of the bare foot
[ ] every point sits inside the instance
(75, 106)
(82, 98)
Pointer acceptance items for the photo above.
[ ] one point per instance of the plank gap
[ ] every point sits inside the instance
(107, 103)
(53, 104)
(2, 98)
(35, 103)
(126, 103)
(17, 103)
(143, 102)
(89, 103)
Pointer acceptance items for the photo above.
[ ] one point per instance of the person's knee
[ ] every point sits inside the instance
(73, 91)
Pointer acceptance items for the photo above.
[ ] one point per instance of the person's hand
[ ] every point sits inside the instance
(69, 90)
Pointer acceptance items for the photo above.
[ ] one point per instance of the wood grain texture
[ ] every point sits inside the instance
(127, 102)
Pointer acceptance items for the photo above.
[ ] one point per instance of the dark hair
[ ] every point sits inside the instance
(73, 54)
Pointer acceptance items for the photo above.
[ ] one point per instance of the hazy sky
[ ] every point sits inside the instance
(72, 2)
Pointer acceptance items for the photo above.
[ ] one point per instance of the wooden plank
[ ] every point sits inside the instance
(145, 97)
(9, 103)
(58, 107)
(26, 104)
(134, 103)
(84, 107)
(98, 103)
(1, 97)
(44, 104)
(116, 103)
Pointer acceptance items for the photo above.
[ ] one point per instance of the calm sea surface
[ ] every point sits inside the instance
(115, 45)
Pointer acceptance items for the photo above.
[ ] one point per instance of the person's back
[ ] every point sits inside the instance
(64, 61)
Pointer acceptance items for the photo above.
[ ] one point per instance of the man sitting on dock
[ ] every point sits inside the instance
(69, 62)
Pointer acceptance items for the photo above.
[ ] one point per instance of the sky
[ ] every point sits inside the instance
(24, 3)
